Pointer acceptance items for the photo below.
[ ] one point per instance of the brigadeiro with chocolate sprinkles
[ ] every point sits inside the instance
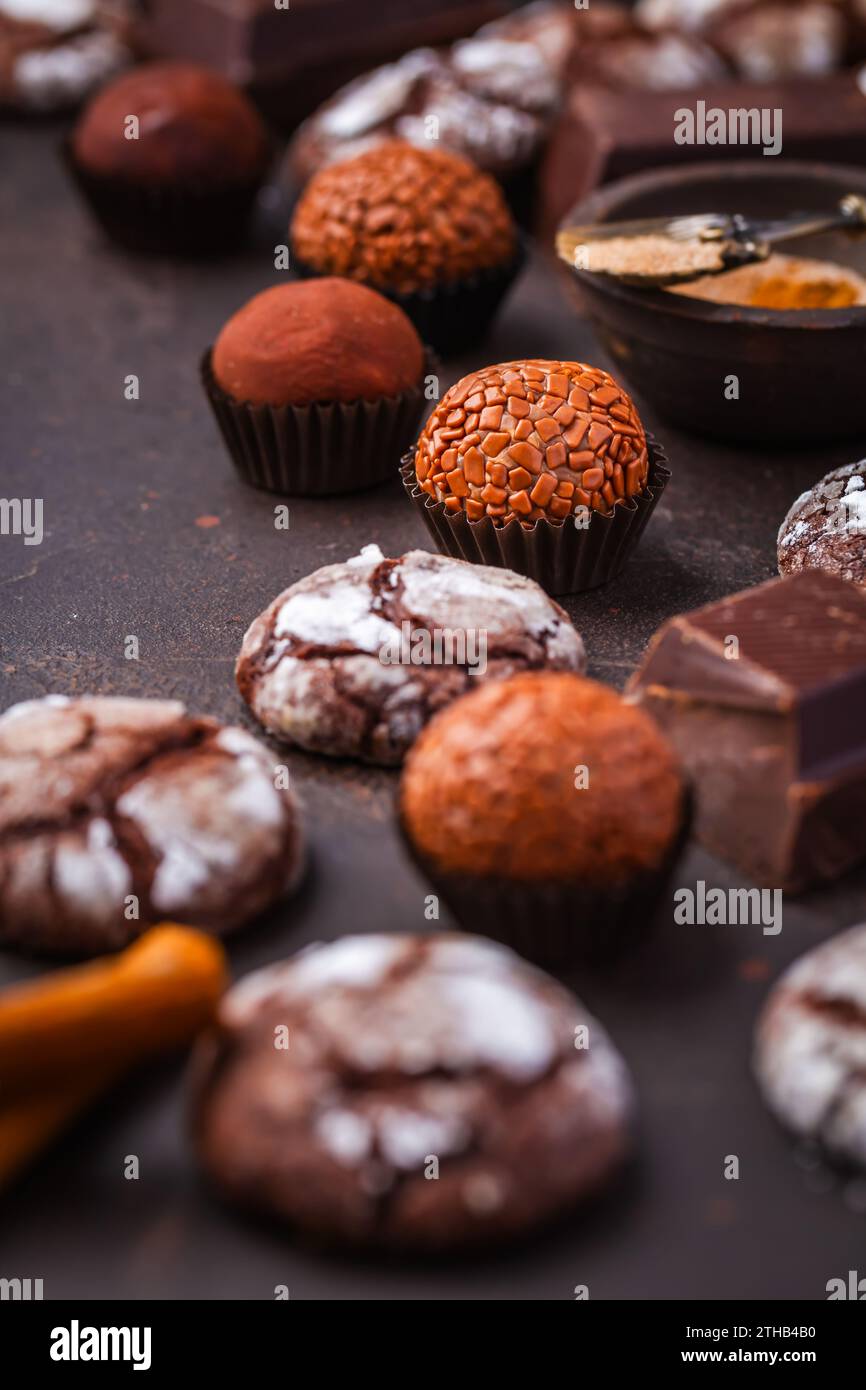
(541, 466)
(408, 1051)
(317, 387)
(424, 227)
(826, 527)
(345, 661)
(546, 812)
(182, 179)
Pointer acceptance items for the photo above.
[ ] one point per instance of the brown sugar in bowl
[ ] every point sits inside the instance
(401, 218)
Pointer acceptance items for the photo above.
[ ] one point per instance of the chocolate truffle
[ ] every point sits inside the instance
(317, 340)
(523, 441)
(403, 219)
(317, 387)
(116, 813)
(354, 659)
(194, 127)
(826, 527)
(544, 809)
(433, 1097)
(762, 695)
(810, 1047)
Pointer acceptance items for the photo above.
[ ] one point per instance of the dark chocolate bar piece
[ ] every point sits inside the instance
(764, 697)
(605, 134)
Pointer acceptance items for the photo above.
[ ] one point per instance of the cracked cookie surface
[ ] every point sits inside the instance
(826, 527)
(810, 1047)
(116, 813)
(329, 665)
(409, 1092)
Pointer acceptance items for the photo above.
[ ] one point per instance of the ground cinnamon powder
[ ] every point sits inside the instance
(781, 292)
(781, 282)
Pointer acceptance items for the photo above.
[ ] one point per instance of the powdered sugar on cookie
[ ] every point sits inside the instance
(810, 1050)
(409, 1057)
(354, 659)
(114, 812)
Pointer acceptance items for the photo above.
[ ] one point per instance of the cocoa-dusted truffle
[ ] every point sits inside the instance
(492, 784)
(526, 440)
(317, 340)
(546, 815)
(193, 127)
(403, 219)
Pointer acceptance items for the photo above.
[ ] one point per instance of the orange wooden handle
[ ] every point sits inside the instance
(29, 1124)
(155, 995)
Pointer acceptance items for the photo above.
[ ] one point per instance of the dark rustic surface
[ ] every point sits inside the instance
(149, 533)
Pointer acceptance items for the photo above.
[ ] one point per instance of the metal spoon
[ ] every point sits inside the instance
(735, 239)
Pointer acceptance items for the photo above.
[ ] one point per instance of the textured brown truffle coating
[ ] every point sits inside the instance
(525, 440)
(490, 786)
(193, 125)
(403, 218)
(317, 340)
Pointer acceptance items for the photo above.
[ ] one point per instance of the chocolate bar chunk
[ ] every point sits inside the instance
(764, 697)
(604, 134)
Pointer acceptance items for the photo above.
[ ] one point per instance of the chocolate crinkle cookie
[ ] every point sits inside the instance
(116, 813)
(491, 98)
(810, 1052)
(355, 659)
(762, 40)
(826, 527)
(54, 52)
(421, 1093)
